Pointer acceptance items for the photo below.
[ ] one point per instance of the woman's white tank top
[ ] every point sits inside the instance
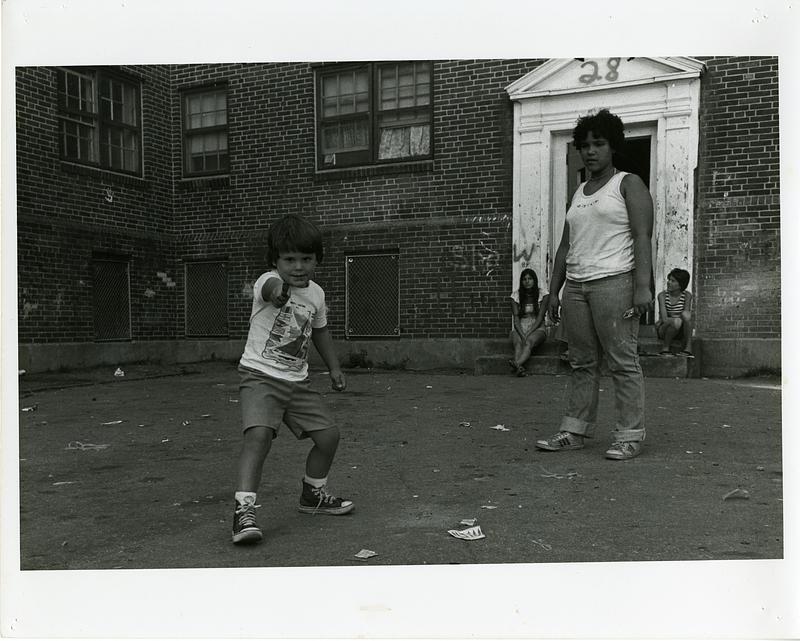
(600, 239)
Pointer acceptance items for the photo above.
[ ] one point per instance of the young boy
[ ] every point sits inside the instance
(675, 313)
(288, 312)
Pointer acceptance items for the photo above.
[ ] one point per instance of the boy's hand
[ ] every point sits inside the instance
(280, 299)
(338, 384)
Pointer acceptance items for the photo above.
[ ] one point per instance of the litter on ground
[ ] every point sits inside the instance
(464, 424)
(470, 534)
(365, 554)
(469, 522)
(500, 428)
(119, 372)
(738, 493)
(77, 445)
(113, 423)
(32, 408)
(488, 507)
(64, 482)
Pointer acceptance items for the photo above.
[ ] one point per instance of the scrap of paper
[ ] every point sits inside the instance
(500, 428)
(470, 534)
(365, 554)
(469, 522)
(738, 493)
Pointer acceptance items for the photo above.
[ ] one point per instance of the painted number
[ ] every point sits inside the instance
(611, 63)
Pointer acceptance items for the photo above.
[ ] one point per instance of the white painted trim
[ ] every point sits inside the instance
(667, 105)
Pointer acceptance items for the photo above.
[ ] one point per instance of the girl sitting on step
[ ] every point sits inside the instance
(528, 312)
(675, 313)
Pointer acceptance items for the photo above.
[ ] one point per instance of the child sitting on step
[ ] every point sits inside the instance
(527, 312)
(675, 313)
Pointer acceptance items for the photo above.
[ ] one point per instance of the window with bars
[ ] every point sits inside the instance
(372, 295)
(205, 132)
(206, 299)
(373, 113)
(111, 299)
(99, 119)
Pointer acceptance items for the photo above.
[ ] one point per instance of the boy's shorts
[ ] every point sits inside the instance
(268, 402)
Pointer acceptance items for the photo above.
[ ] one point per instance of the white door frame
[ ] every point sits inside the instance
(659, 93)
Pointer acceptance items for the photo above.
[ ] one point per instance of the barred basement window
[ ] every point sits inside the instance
(111, 299)
(374, 113)
(206, 299)
(205, 132)
(372, 295)
(99, 119)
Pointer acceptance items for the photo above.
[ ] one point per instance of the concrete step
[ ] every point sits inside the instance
(653, 365)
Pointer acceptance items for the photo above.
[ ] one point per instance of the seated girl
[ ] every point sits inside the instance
(528, 318)
(675, 313)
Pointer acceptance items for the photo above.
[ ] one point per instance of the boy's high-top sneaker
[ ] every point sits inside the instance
(316, 500)
(245, 529)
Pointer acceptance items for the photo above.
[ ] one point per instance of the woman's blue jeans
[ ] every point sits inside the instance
(592, 317)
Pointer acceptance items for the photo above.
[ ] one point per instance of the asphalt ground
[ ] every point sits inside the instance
(137, 472)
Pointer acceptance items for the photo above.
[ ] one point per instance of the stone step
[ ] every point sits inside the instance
(653, 365)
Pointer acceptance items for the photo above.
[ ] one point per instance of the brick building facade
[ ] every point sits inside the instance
(170, 178)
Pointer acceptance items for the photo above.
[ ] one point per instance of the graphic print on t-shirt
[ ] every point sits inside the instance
(288, 339)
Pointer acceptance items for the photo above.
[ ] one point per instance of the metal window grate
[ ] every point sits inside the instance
(112, 300)
(372, 294)
(206, 299)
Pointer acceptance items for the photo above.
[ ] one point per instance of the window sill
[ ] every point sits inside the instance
(204, 183)
(103, 174)
(367, 171)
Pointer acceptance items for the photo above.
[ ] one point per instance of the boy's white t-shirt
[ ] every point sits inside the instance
(279, 338)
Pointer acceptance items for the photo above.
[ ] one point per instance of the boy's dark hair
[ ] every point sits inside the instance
(293, 233)
(526, 296)
(682, 276)
(602, 124)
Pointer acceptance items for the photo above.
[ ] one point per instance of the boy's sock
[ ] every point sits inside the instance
(240, 497)
(315, 482)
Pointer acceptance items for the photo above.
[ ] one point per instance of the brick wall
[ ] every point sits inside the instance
(449, 220)
(66, 212)
(737, 226)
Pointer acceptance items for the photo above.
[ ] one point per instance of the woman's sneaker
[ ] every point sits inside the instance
(245, 529)
(561, 441)
(623, 450)
(317, 500)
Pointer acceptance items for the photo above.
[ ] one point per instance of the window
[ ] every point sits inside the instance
(374, 113)
(111, 298)
(206, 299)
(99, 119)
(205, 132)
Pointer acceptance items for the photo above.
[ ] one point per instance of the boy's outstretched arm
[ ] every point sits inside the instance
(324, 344)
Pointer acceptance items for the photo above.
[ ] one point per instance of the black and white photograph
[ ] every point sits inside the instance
(406, 321)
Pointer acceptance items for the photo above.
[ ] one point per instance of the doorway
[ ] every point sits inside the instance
(638, 157)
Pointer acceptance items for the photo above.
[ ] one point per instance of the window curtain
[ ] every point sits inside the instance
(405, 142)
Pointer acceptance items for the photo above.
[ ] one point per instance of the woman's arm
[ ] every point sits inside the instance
(559, 274)
(640, 216)
(542, 312)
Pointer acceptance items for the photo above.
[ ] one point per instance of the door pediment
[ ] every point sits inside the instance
(573, 75)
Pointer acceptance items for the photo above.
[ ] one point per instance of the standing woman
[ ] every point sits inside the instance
(605, 257)
(528, 320)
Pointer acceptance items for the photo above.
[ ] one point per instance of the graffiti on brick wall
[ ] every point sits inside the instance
(27, 305)
(482, 257)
